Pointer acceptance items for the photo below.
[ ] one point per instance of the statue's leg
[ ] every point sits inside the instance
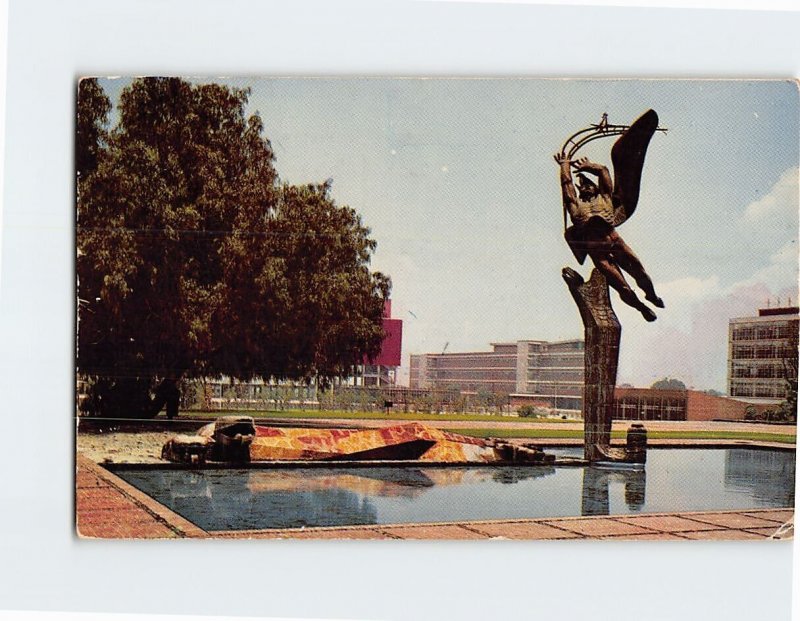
(628, 261)
(617, 281)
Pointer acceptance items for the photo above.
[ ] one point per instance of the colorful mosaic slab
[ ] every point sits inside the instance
(236, 439)
(407, 441)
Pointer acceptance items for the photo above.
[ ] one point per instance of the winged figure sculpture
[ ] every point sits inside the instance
(597, 207)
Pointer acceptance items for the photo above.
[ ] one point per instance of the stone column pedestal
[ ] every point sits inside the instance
(602, 333)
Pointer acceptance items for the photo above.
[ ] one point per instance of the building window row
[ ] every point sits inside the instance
(476, 373)
(769, 390)
(758, 370)
(762, 333)
(558, 360)
(762, 352)
(473, 363)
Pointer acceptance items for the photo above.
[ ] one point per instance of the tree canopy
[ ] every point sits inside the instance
(194, 259)
(669, 383)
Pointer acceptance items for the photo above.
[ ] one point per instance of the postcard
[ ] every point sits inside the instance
(409, 308)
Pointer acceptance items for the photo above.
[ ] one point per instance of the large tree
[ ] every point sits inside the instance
(194, 259)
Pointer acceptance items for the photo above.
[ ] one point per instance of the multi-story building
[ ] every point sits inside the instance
(762, 354)
(493, 371)
(551, 375)
(537, 372)
(554, 373)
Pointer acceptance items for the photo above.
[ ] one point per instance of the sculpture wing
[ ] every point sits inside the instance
(627, 155)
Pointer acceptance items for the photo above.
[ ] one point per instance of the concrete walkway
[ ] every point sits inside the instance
(109, 508)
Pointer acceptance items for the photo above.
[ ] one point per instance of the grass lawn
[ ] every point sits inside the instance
(620, 434)
(497, 430)
(393, 415)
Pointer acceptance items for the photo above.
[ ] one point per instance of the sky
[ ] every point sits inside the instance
(456, 179)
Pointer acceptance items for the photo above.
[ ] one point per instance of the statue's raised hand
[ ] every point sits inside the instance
(582, 164)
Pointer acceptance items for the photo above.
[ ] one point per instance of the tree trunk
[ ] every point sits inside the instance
(167, 395)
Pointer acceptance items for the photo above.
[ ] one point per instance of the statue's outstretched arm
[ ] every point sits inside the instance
(568, 194)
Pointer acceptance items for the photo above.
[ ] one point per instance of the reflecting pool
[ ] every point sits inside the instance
(674, 480)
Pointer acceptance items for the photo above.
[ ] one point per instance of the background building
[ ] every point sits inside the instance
(550, 375)
(655, 404)
(762, 355)
(540, 373)
(493, 371)
(553, 375)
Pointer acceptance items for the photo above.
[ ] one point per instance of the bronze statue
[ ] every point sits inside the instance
(596, 209)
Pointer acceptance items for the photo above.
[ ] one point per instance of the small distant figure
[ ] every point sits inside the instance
(597, 208)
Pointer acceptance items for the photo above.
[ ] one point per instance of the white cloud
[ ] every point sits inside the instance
(688, 288)
(786, 255)
(780, 202)
(690, 339)
(781, 272)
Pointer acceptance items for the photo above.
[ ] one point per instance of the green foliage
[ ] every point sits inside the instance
(426, 404)
(90, 126)
(528, 411)
(195, 395)
(787, 411)
(193, 258)
(669, 383)
(460, 403)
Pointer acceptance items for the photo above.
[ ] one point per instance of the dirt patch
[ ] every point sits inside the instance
(123, 448)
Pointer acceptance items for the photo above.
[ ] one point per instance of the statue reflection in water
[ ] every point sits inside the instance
(595, 489)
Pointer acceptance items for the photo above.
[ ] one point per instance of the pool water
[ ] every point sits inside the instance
(674, 480)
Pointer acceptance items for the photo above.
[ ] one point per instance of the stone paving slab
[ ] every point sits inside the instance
(86, 479)
(764, 532)
(726, 534)
(98, 498)
(108, 507)
(123, 525)
(598, 527)
(781, 516)
(666, 523)
(356, 533)
(445, 531)
(655, 536)
(522, 530)
(732, 520)
(323, 532)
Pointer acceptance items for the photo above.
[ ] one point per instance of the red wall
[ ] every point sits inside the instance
(392, 346)
(708, 407)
